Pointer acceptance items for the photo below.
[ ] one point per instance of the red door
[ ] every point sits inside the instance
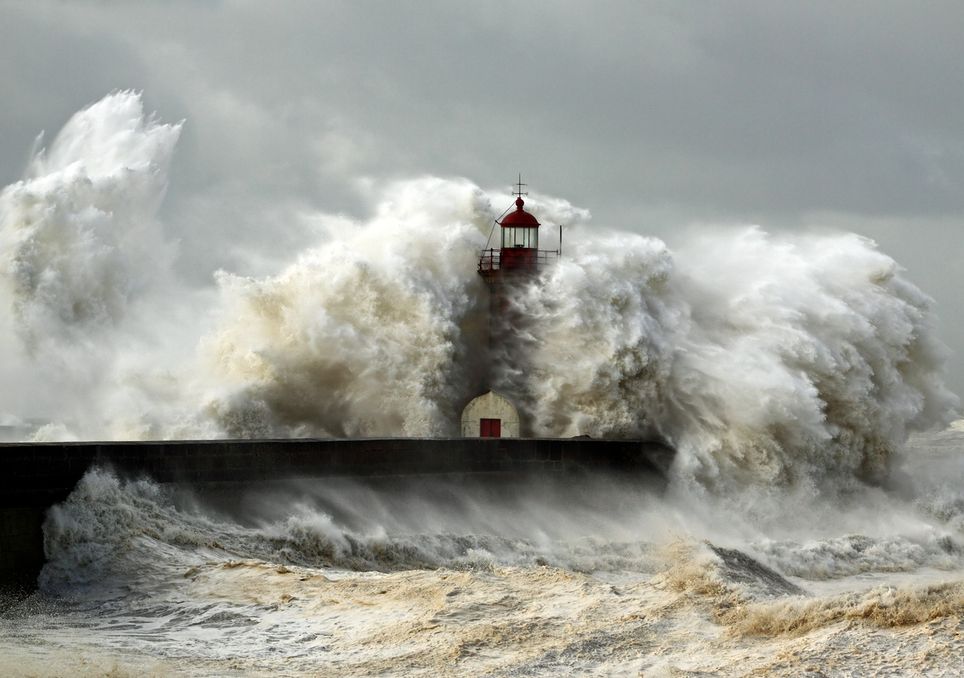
(490, 428)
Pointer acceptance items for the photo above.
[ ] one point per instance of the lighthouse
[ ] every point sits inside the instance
(506, 271)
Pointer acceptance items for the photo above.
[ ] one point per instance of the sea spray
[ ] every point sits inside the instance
(765, 359)
(376, 332)
(783, 359)
(83, 263)
(78, 234)
(762, 359)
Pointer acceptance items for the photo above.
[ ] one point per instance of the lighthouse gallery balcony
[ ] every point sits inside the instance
(515, 259)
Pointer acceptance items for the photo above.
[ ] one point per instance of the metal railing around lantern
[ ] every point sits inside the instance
(491, 260)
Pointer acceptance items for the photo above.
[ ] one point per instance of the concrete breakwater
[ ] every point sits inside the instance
(38, 475)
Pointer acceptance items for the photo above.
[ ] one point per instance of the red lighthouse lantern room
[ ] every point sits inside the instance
(520, 239)
(519, 253)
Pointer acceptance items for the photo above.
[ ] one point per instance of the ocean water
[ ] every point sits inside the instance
(582, 575)
(812, 520)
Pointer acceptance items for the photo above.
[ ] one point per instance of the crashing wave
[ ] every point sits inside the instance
(763, 359)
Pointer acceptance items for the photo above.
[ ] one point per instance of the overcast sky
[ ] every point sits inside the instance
(653, 115)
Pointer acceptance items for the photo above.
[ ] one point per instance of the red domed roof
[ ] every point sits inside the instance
(519, 218)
